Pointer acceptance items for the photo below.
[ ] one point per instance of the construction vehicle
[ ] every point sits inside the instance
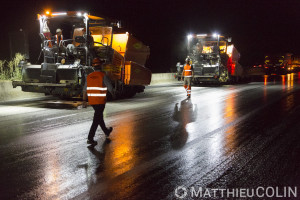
(214, 59)
(293, 62)
(276, 64)
(67, 62)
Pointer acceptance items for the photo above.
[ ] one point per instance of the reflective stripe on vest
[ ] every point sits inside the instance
(57, 39)
(96, 90)
(96, 95)
(187, 71)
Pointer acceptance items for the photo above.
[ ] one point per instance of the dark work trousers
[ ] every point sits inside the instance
(98, 120)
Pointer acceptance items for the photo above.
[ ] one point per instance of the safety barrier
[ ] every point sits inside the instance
(162, 78)
(8, 93)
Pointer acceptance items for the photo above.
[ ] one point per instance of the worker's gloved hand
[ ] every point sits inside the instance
(84, 104)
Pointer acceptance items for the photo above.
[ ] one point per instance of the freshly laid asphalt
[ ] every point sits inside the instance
(231, 136)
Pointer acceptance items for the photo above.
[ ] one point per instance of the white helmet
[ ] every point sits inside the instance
(187, 59)
(58, 30)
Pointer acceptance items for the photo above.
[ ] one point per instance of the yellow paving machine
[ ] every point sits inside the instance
(66, 58)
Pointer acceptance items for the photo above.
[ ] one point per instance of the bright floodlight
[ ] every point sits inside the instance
(79, 14)
(56, 14)
(215, 35)
(201, 35)
(189, 36)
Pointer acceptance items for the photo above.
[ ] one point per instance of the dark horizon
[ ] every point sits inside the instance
(257, 28)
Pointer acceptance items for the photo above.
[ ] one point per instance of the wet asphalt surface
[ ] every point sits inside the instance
(231, 136)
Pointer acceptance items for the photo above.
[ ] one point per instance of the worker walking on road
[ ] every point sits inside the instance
(188, 74)
(95, 90)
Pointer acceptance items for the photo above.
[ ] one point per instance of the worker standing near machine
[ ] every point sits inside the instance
(188, 74)
(58, 37)
(95, 90)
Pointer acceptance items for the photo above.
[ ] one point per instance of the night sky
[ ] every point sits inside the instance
(257, 28)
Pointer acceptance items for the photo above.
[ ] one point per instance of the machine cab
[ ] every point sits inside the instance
(70, 36)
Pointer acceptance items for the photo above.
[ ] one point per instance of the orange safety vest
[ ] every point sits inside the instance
(96, 90)
(187, 70)
(58, 39)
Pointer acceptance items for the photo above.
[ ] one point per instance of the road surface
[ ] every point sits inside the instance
(231, 136)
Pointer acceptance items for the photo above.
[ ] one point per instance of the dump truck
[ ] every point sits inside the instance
(65, 63)
(214, 59)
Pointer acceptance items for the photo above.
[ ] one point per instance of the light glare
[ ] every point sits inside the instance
(63, 13)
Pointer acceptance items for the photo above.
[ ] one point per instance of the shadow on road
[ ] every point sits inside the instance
(184, 114)
(46, 102)
(100, 155)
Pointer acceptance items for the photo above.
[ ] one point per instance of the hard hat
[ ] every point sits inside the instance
(58, 30)
(97, 62)
(188, 59)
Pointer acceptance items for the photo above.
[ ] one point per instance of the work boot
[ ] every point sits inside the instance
(92, 142)
(109, 130)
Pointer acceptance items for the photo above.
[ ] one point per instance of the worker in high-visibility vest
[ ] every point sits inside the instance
(58, 37)
(188, 74)
(95, 89)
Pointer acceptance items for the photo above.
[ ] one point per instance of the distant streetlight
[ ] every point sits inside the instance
(215, 35)
(189, 37)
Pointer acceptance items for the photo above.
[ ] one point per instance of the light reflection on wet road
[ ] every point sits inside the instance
(242, 135)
